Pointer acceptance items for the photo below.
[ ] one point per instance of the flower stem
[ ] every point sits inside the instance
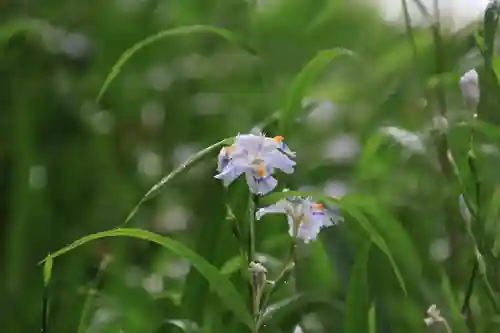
(255, 288)
(280, 278)
(447, 326)
(90, 293)
(251, 221)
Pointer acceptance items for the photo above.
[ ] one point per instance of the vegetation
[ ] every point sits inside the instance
(139, 138)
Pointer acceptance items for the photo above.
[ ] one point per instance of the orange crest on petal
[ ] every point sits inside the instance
(261, 171)
(318, 206)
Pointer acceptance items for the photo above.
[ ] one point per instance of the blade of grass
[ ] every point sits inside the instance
(182, 168)
(303, 81)
(195, 29)
(358, 305)
(218, 282)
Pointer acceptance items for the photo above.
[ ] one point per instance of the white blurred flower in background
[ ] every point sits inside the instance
(455, 13)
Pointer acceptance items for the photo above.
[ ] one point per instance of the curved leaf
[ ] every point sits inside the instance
(372, 319)
(288, 312)
(276, 196)
(301, 83)
(47, 271)
(358, 304)
(184, 325)
(183, 167)
(219, 283)
(16, 26)
(226, 34)
(378, 240)
(232, 265)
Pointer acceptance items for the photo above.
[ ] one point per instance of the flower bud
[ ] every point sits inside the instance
(469, 84)
(440, 124)
(464, 210)
(433, 316)
(259, 274)
(429, 321)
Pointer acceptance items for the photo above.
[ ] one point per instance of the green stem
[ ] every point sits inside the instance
(90, 294)
(253, 200)
(479, 266)
(280, 279)
(251, 221)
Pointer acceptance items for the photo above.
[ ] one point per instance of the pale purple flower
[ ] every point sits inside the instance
(305, 217)
(256, 156)
(464, 210)
(469, 84)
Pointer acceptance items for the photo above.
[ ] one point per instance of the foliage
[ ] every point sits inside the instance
(375, 114)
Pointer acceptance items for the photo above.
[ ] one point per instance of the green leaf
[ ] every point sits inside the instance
(395, 235)
(457, 318)
(377, 239)
(492, 131)
(213, 228)
(358, 305)
(182, 168)
(14, 27)
(47, 270)
(302, 82)
(288, 312)
(233, 265)
(195, 29)
(218, 282)
(372, 319)
(276, 196)
(184, 325)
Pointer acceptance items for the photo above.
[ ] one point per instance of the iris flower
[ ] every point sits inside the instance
(256, 156)
(469, 84)
(306, 218)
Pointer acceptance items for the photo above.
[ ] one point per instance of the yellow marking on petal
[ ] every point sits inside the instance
(278, 138)
(261, 171)
(318, 206)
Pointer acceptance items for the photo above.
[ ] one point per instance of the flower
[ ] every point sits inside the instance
(259, 273)
(464, 210)
(256, 156)
(412, 141)
(469, 84)
(305, 217)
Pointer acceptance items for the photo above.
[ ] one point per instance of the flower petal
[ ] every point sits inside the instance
(223, 159)
(249, 142)
(279, 143)
(280, 207)
(230, 173)
(261, 186)
(291, 226)
(278, 160)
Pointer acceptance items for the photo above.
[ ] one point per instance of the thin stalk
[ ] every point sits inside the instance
(447, 326)
(490, 26)
(253, 201)
(422, 9)
(409, 28)
(466, 310)
(470, 288)
(444, 155)
(278, 281)
(281, 275)
(90, 294)
(251, 221)
(45, 310)
(235, 224)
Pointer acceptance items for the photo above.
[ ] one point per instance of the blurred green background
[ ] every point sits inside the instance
(70, 166)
